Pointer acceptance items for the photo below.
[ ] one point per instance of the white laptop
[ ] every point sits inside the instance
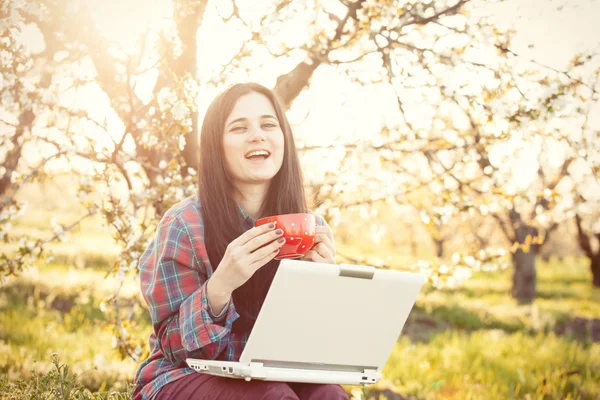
(324, 323)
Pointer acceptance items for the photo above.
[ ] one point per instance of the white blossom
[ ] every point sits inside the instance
(180, 111)
(120, 275)
(166, 98)
(6, 58)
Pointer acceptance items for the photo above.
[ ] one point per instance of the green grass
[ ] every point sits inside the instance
(469, 342)
(494, 364)
(56, 309)
(477, 342)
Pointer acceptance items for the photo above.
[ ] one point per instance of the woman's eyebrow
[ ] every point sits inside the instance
(237, 120)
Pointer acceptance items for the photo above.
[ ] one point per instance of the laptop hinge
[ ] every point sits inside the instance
(369, 377)
(357, 271)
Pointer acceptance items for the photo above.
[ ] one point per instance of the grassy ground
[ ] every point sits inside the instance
(471, 342)
(56, 309)
(476, 342)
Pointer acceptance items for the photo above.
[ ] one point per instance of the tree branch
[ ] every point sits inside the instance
(582, 238)
(289, 86)
(511, 238)
(547, 234)
(29, 176)
(418, 20)
(351, 14)
(19, 259)
(505, 49)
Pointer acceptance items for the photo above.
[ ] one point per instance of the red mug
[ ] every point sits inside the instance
(298, 231)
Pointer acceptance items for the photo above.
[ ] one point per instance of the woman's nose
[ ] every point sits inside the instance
(257, 135)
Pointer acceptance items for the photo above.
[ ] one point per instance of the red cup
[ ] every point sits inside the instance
(298, 231)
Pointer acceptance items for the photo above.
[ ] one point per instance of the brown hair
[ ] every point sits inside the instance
(220, 213)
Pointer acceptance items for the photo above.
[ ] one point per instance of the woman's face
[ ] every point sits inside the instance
(253, 141)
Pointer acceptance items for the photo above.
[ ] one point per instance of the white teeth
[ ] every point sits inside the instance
(257, 153)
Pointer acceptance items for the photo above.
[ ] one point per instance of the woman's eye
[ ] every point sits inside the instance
(238, 129)
(269, 125)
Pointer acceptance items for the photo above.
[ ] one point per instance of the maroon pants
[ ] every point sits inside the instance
(206, 387)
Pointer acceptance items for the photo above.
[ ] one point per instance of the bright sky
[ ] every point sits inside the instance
(333, 107)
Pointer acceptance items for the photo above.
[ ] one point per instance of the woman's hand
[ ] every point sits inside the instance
(246, 254)
(324, 249)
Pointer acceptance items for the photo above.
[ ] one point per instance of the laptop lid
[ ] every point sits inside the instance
(331, 317)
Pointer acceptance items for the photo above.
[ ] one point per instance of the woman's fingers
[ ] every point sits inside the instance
(323, 250)
(265, 251)
(263, 239)
(261, 262)
(323, 238)
(325, 229)
(320, 253)
(250, 234)
(259, 245)
(313, 255)
(247, 253)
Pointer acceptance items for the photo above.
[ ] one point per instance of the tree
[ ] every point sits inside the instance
(586, 241)
(484, 108)
(587, 204)
(586, 184)
(544, 127)
(137, 159)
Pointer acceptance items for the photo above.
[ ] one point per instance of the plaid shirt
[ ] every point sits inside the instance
(174, 271)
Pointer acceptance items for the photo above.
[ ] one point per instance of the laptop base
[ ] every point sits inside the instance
(259, 371)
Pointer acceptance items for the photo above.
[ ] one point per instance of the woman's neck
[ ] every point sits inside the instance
(251, 197)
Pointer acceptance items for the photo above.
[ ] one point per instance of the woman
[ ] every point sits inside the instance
(207, 271)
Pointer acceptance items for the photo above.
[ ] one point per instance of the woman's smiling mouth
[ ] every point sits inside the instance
(258, 155)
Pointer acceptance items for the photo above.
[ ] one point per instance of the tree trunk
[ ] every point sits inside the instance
(585, 242)
(595, 267)
(12, 157)
(439, 246)
(187, 26)
(414, 247)
(524, 276)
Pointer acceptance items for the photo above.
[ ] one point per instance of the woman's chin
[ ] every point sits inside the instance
(259, 179)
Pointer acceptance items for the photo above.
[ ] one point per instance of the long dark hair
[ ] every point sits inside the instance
(222, 219)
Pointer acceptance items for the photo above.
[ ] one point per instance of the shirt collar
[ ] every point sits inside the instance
(248, 220)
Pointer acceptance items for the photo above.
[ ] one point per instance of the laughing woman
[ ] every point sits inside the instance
(207, 271)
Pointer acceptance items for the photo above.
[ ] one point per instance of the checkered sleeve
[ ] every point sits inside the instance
(320, 220)
(173, 282)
